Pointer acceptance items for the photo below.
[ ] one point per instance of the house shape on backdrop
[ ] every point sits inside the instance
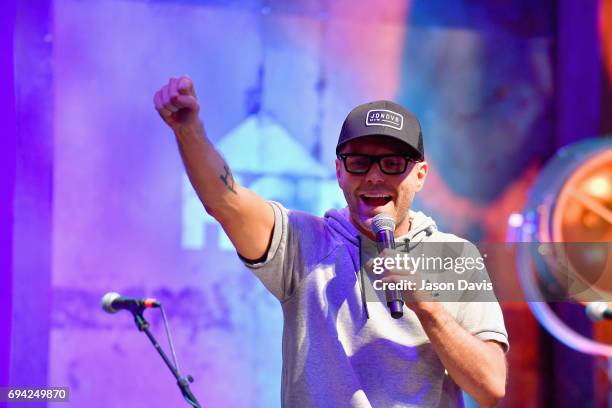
(266, 159)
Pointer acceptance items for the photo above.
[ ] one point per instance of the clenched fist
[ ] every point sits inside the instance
(177, 103)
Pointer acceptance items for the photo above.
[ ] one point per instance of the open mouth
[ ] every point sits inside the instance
(375, 200)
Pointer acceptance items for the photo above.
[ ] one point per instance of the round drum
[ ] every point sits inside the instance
(570, 212)
(567, 235)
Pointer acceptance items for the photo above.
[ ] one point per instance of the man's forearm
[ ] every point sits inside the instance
(208, 172)
(247, 219)
(478, 367)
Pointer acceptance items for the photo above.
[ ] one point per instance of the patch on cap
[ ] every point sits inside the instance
(384, 117)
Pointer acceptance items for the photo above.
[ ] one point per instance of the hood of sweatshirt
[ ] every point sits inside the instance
(422, 228)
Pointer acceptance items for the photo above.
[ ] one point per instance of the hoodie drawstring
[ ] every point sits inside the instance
(361, 281)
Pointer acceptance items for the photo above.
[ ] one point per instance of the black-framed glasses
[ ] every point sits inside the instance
(391, 164)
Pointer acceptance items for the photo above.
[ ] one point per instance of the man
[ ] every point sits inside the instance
(338, 349)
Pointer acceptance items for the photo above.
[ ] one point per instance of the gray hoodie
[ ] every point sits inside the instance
(338, 349)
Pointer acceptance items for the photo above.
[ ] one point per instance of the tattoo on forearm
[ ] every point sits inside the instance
(228, 179)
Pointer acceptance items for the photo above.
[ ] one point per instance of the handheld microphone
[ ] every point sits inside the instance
(383, 226)
(598, 311)
(113, 302)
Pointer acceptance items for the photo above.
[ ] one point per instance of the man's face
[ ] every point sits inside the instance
(375, 192)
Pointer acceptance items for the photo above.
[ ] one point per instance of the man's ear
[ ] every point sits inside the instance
(338, 171)
(422, 169)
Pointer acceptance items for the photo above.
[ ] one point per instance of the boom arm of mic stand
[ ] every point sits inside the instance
(182, 382)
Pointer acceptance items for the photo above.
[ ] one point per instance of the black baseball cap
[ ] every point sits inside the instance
(383, 118)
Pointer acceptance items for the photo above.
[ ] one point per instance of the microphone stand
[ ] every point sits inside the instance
(182, 382)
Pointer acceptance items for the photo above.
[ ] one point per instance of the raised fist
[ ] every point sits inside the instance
(177, 103)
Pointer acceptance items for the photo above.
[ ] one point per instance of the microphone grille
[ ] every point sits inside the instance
(595, 310)
(107, 302)
(382, 222)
